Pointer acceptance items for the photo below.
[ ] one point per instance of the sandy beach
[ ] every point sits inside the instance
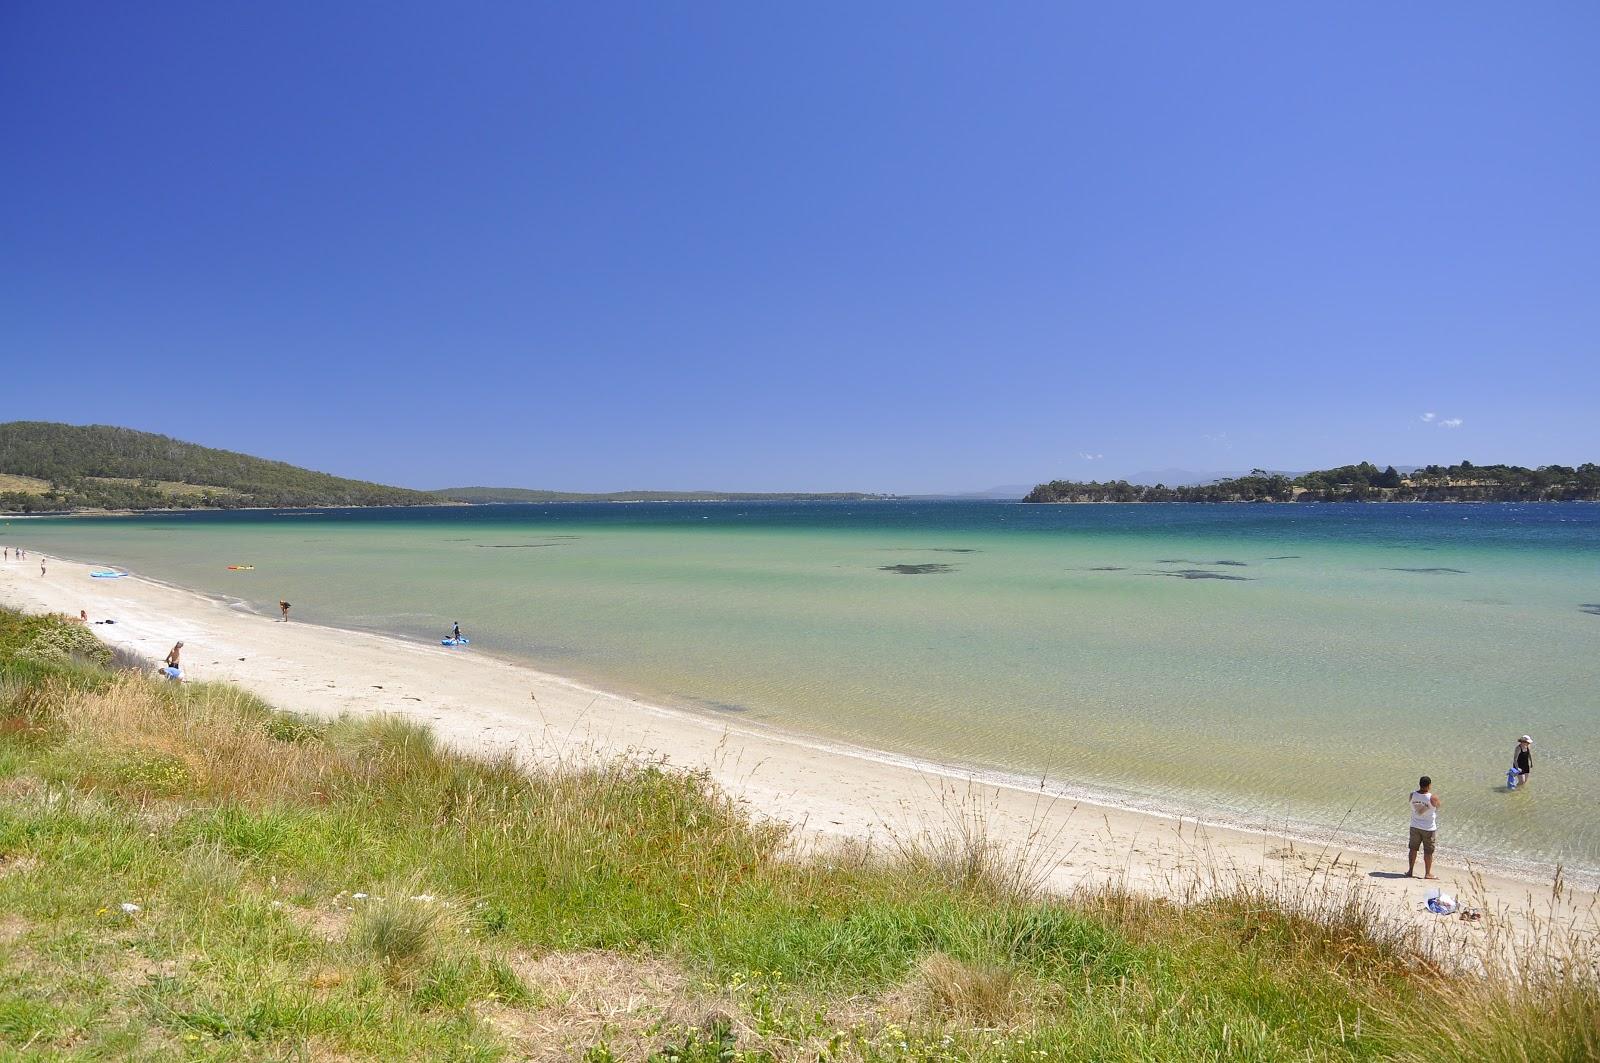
(827, 792)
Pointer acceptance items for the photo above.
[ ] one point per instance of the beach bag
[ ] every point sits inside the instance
(1439, 902)
(1513, 777)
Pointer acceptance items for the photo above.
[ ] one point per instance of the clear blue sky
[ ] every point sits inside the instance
(902, 247)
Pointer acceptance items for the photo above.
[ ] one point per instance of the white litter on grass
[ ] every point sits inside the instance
(358, 896)
(425, 898)
(129, 908)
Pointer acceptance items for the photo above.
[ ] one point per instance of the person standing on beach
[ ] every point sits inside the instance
(41, 567)
(1522, 759)
(172, 668)
(1424, 827)
(455, 630)
(283, 607)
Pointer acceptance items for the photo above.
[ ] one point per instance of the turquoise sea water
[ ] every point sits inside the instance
(1254, 663)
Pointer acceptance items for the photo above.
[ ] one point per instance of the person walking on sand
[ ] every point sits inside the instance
(1424, 827)
(283, 607)
(41, 568)
(1522, 760)
(455, 630)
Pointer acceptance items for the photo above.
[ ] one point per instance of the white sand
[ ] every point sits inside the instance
(828, 792)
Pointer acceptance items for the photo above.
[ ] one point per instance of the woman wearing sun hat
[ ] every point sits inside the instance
(1522, 759)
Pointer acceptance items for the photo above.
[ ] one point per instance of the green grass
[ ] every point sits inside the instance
(349, 890)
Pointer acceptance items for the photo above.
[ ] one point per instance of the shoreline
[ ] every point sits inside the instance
(57, 514)
(1278, 827)
(829, 792)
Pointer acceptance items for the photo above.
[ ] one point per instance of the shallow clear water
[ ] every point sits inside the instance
(1352, 649)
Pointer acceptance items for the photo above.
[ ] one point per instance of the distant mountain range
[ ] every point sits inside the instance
(1002, 493)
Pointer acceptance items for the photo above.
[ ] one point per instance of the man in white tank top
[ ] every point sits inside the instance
(1424, 826)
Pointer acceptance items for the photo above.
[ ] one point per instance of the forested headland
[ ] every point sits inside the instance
(53, 468)
(46, 467)
(1463, 482)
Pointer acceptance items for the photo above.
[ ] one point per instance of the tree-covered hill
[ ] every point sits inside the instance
(46, 466)
(1365, 482)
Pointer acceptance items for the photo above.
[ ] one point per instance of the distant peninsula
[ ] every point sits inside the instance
(480, 496)
(1464, 482)
(62, 468)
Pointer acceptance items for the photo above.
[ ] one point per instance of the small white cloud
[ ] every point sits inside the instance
(1089, 457)
(1428, 417)
(1450, 422)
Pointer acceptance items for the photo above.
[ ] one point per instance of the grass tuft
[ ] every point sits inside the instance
(980, 993)
(398, 931)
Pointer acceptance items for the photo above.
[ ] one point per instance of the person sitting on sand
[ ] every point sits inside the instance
(83, 616)
(172, 669)
(283, 607)
(1424, 827)
(1522, 759)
